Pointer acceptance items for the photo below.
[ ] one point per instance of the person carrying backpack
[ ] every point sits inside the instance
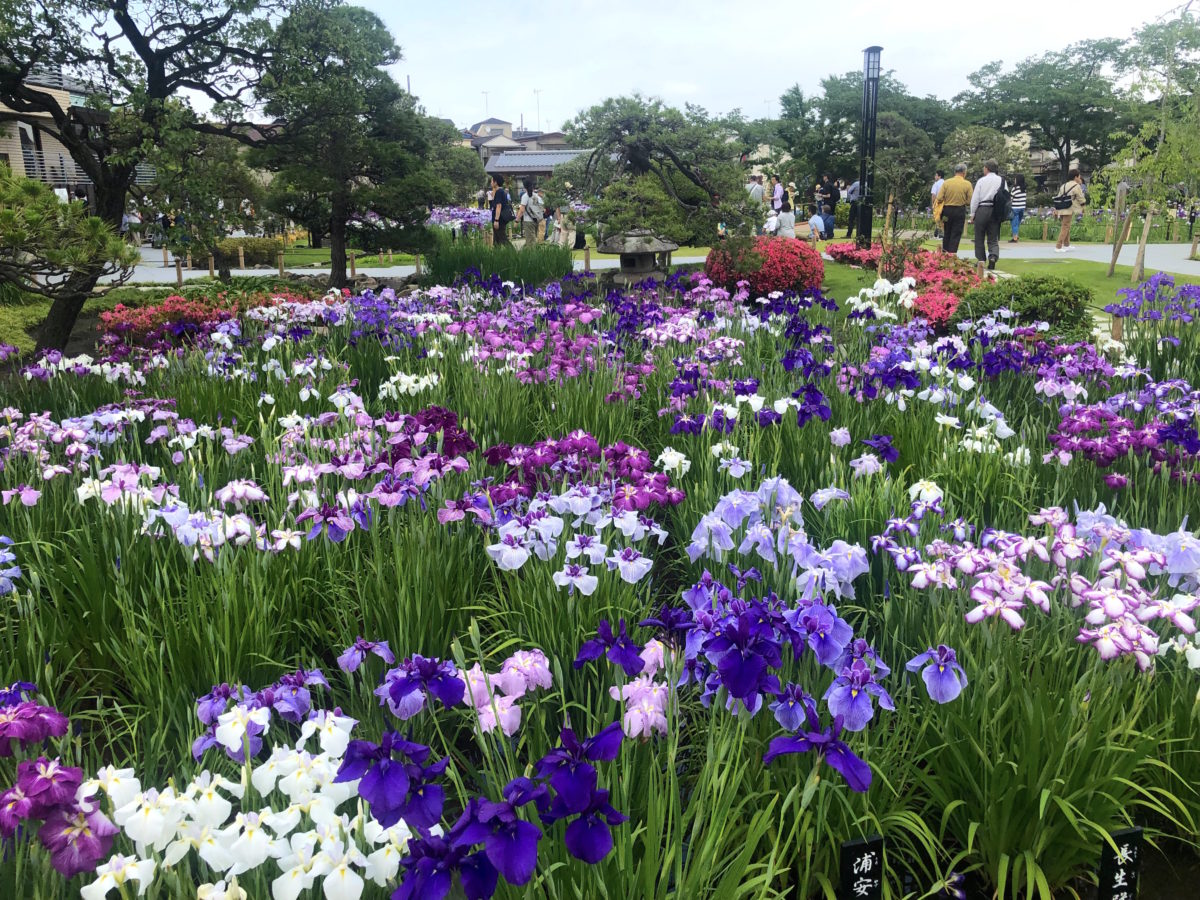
(1068, 203)
(531, 213)
(502, 211)
(990, 204)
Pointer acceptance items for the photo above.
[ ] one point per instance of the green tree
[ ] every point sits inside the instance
(138, 56)
(459, 166)
(349, 132)
(902, 155)
(45, 243)
(301, 203)
(976, 144)
(1067, 101)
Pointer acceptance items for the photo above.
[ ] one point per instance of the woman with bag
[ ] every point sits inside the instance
(1068, 203)
(1018, 207)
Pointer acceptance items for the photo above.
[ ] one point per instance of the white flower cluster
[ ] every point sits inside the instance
(302, 836)
(673, 462)
(404, 385)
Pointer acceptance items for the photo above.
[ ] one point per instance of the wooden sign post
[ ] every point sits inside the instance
(279, 259)
(861, 869)
(587, 259)
(178, 272)
(353, 267)
(241, 257)
(1119, 870)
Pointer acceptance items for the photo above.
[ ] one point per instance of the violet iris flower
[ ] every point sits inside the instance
(944, 677)
(395, 789)
(620, 649)
(429, 867)
(404, 687)
(79, 838)
(792, 707)
(569, 767)
(882, 444)
(354, 655)
(849, 696)
(828, 746)
(509, 841)
(589, 836)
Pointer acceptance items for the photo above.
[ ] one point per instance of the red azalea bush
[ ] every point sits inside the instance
(767, 264)
(853, 255)
(935, 305)
(176, 317)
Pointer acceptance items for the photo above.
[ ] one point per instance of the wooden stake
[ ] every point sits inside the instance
(1139, 263)
(418, 257)
(353, 268)
(390, 259)
(1108, 234)
(587, 259)
(1118, 328)
(166, 262)
(1045, 229)
(178, 273)
(279, 259)
(212, 270)
(189, 261)
(1175, 230)
(1195, 243)
(241, 257)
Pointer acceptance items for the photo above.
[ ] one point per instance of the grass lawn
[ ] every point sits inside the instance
(1093, 275)
(306, 256)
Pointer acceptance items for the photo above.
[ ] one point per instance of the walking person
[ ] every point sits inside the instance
(852, 195)
(830, 195)
(502, 212)
(954, 197)
(531, 213)
(1018, 207)
(776, 193)
(938, 180)
(1072, 189)
(984, 215)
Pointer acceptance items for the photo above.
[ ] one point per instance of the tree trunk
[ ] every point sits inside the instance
(315, 237)
(1120, 229)
(55, 331)
(1139, 264)
(337, 241)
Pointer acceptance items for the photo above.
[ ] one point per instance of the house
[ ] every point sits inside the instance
(34, 152)
(536, 164)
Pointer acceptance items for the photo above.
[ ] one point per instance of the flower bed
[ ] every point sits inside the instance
(487, 591)
(767, 264)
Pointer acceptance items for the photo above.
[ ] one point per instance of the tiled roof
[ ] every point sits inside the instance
(531, 160)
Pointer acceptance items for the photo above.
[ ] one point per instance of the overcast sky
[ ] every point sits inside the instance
(720, 54)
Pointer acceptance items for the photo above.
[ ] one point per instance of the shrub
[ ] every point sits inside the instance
(1064, 303)
(768, 264)
(852, 255)
(258, 251)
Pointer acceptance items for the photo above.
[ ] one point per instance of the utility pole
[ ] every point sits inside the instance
(537, 93)
(485, 103)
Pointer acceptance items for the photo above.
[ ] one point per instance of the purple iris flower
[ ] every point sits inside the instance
(29, 723)
(354, 655)
(569, 767)
(825, 633)
(215, 702)
(15, 693)
(828, 746)
(430, 864)
(78, 838)
(882, 444)
(793, 706)
(404, 687)
(509, 841)
(290, 697)
(589, 835)
(849, 697)
(944, 677)
(620, 649)
(395, 788)
(743, 657)
(673, 624)
(47, 783)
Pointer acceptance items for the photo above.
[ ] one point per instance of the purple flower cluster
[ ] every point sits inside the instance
(235, 717)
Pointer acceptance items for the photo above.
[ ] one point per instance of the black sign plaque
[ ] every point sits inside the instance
(862, 869)
(1119, 870)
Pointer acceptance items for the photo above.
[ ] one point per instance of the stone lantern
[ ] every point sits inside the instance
(643, 255)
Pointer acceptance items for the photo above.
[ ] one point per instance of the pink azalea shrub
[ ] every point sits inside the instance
(768, 264)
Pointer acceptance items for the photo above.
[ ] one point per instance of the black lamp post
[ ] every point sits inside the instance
(866, 143)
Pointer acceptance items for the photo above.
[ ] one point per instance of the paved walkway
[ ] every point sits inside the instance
(152, 271)
(1159, 257)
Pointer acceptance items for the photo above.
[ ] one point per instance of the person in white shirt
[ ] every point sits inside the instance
(939, 180)
(772, 222)
(787, 221)
(987, 225)
(815, 223)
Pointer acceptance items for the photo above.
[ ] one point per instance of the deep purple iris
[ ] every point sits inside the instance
(829, 747)
(354, 655)
(394, 780)
(508, 840)
(882, 444)
(620, 649)
(569, 767)
(404, 687)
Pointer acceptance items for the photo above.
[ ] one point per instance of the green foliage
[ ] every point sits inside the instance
(902, 159)
(976, 144)
(352, 135)
(257, 251)
(694, 157)
(47, 247)
(641, 202)
(1062, 302)
(1068, 102)
(533, 264)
